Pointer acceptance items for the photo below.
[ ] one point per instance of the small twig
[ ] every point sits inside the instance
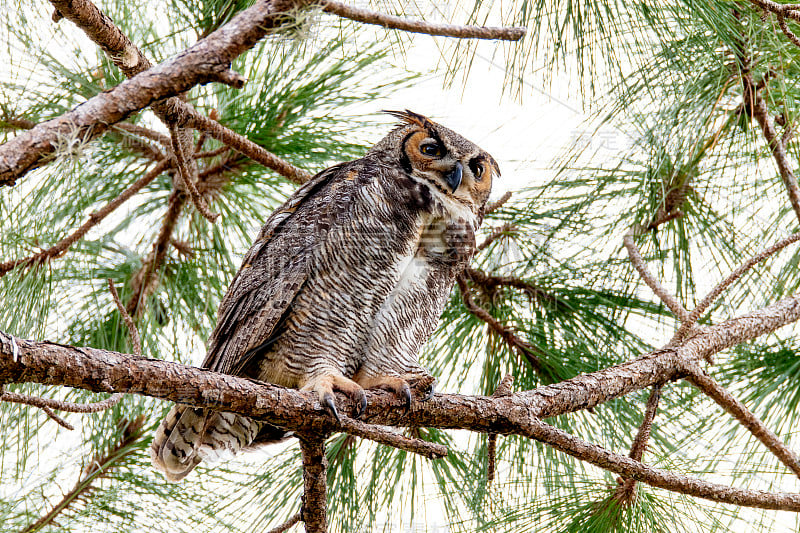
(706, 302)
(188, 181)
(638, 263)
(495, 234)
(64, 244)
(786, 31)
(60, 405)
(743, 415)
(57, 419)
(498, 204)
(315, 464)
(503, 389)
(626, 492)
(147, 133)
(757, 106)
(489, 283)
(286, 525)
(400, 23)
(212, 153)
(504, 332)
(134, 333)
(388, 437)
(667, 217)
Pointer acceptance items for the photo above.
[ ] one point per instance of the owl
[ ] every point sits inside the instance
(343, 285)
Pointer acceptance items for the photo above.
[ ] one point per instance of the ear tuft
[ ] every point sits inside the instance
(409, 117)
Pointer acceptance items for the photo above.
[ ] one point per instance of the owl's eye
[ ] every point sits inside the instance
(431, 149)
(476, 167)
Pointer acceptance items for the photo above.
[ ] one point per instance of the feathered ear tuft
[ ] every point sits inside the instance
(409, 117)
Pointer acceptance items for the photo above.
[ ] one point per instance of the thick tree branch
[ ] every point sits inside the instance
(201, 63)
(106, 371)
(518, 413)
(419, 26)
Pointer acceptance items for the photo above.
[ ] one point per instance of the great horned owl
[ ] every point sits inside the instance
(342, 286)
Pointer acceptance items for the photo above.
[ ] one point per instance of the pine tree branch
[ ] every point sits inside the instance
(247, 147)
(503, 389)
(489, 284)
(106, 371)
(315, 465)
(791, 11)
(669, 300)
(143, 283)
(98, 467)
(174, 112)
(387, 437)
(630, 468)
(62, 246)
(400, 23)
(727, 282)
(518, 413)
(744, 416)
(205, 61)
(491, 208)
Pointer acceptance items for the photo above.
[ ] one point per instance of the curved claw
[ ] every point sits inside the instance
(428, 393)
(405, 390)
(361, 403)
(330, 404)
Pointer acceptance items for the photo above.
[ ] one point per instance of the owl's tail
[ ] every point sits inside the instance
(186, 436)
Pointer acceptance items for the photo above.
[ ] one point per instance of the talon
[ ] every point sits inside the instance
(406, 392)
(428, 393)
(330, 404)
(361, 406)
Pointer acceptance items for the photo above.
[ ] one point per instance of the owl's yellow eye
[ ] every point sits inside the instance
(476, 167)
(431, 149)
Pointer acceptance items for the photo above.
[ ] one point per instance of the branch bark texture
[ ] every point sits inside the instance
(206, 61)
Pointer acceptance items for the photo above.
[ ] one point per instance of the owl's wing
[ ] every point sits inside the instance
(274, 270)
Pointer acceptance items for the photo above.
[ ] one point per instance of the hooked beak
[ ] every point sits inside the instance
(453, 178)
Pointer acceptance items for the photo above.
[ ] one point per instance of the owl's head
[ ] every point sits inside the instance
(450, 163)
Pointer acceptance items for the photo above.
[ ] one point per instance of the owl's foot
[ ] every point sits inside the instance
(325, 385)
(401, 386)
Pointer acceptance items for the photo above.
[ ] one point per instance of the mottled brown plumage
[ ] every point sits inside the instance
(343, 285)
